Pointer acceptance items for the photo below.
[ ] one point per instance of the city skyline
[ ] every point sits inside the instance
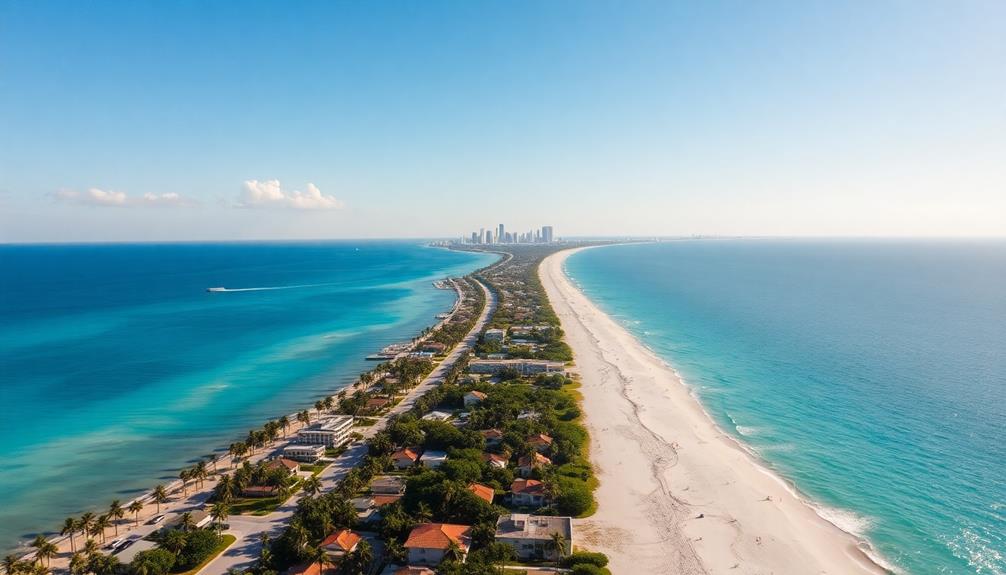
(152, 122)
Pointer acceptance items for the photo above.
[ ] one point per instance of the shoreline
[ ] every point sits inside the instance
(680, 494)
(194, 497)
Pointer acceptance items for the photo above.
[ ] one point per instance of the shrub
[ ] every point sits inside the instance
(588, 569)
(153, 562)
(586, 558)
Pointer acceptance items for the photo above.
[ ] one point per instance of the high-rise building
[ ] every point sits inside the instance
(501, 234)
(546, 234)
(482, 235)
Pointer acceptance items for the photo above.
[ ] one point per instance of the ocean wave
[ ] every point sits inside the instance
(266, 288)
(978, 551)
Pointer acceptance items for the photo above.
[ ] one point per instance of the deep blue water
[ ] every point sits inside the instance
(871, 374)
(117, 367)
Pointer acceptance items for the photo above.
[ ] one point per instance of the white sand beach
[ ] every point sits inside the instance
(677, 494)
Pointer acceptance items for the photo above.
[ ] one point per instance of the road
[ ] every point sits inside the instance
(249, 529)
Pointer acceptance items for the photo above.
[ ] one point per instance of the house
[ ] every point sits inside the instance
(528, 493)
(526, 465)
(291, 467)
(368, 509)
(494, 335)
(493, 437)
(260, 491)
(404, 458)
(305, 453)
(312, 568)
(540, 442)
(474, 398)
(437, 416)
(528, 330)
(483, 492)
(331, 431)
(428, 543)
(387, 485)
(433, 459)
(531, 535)
(494, 459)
(521, 366)
(340, 543)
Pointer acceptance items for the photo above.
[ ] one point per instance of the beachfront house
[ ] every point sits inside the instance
(305, 453)
(428, 543)
(433, 459)
(331, 431)
(526, 465)
(540, 442)
(531, 535)
(290, 466)
(528, 493)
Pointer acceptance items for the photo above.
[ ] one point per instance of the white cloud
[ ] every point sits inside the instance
(269, 194)
(98, 197)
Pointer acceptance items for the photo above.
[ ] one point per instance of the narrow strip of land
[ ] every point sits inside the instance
(678, 495)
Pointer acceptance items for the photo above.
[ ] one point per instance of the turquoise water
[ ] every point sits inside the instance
(871, 374)
(117, 367)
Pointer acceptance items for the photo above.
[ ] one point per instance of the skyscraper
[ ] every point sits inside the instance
(501, 234)
(546, 234)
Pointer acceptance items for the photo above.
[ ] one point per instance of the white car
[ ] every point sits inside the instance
(157, 519)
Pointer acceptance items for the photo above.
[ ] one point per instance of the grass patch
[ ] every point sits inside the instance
(225, 542)
(364, 421)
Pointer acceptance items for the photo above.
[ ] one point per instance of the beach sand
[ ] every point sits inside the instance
(677, 494)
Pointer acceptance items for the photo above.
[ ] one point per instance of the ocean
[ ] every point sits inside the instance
(870, 374)
(117, 367)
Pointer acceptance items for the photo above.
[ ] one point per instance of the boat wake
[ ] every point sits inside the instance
(268, 288)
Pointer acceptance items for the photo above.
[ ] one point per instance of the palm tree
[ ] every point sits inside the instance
(185, 475)
(219, 512)
(78, 564)
(454, 552)
(11, 564)
(116, 512)
(304, 417)
(557, 541)
(312, 485)
(174, 541)
(86, 523)
(200, 472)
(90, 547)
(423, 512)
(43, 549)
(160, 496)
(225, 488)
(104, 564)
(187, 523)
(135, 507)
(101, 524)
(320, 556)
(284, 422)
(319, 406)
(70, 528)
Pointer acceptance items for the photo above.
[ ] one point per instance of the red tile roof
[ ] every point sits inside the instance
(345, 540)
(492, 433)
(439, 536)
(405, 453)
(382, 500)
(283, 462)
(539, 459)
(539, 439)
(482, 491)
(530, 486)
(491, 457)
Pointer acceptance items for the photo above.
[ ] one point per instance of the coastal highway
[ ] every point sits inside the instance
(249, 529)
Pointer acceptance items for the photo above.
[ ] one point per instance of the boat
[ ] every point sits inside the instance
(216, 289)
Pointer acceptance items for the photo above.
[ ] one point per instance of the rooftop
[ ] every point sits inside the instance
(439, 536)
(524, 526)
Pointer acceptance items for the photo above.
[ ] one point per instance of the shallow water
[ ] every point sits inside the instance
(117, 367)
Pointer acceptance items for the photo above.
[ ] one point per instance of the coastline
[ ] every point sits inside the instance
(194, 497)
(677, 493)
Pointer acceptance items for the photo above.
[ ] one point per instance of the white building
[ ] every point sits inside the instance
(494, 334)
(433, 459)
(531, 535)
(331, 432)
(521, 366)
(307, 453)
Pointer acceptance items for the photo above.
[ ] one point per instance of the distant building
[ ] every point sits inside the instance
(332, 431)
(428, 543)
(494, 334)
(387, 485)
(305, 453)
(341, 542)
(495, 460)
(521, 366)
(433, 459)
(493, 437)
(547, 234)
(404, 458)
(289, 465)
(474, 398)
(526, 465)
(531, 535)
(540, 442)
(437, 416)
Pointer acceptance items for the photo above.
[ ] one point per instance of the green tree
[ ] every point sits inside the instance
(152, 562)
(160, 496)
(559, 544)
(116, 512)
(70, 528)
(135, 507)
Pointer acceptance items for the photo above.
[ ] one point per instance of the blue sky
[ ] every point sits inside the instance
(195, 120)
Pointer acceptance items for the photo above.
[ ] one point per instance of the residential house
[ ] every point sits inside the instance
(291, 467)
(428, 543)
(493, 437)
(483, 492)
(404, 458)
(437, 416)
(433, 459)
(474, 398)
(521, 366)
(540, 442)
(340, 543)
(305, 453)
(494, 335)
(528, 493)
(531, 535)
(376, 404)
(494, 459)
(387, 485)
(260, 491)
(526, 465)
